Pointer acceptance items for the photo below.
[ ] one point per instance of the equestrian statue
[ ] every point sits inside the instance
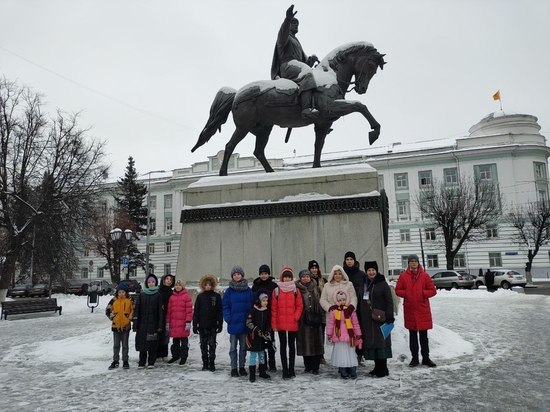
(297, 95)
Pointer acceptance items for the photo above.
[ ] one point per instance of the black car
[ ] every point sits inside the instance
(19, 291)
(40, 289)
(77, 287)
(133, 285)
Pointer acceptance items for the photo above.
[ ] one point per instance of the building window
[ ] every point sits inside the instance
(430, 233)
(460, 260)
(403, 209)
(401, 181)
(451, 176)
(540, 170)
(152, 226)
(167, 269)
(495, 259)
(168, 201)
(542, 196)
(151, 248)
(405, 235)
(86, 252)
(404, 261)
(152, 202)
(84, 273)
(132, 272)
(485, 172)
(432, 261)
(492, 231)
(425, 179)
(100, 273)
(168, 247)
(168, 223)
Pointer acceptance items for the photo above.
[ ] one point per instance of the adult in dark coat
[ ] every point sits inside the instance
(165, 291)
(357, 277)
(489, 280)
(265, 283)
(309, 342)
(148, 322)
(376, 295)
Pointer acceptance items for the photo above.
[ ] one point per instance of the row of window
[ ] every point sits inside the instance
(152, 249)
(100, 274)
(167, 202)
(432, 260)
(430, 234)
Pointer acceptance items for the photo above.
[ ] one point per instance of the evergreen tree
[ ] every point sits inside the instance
(130, 198)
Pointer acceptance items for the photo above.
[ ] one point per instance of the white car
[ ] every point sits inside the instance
(504, 278)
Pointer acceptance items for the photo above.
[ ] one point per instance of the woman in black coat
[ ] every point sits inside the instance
(148, 323)
(165, 290)
(376, 295)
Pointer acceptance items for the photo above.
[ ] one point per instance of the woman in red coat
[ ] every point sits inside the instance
(179, 319)
(416, 288)
(286, 309)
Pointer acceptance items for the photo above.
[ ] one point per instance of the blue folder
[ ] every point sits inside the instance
(386, 329)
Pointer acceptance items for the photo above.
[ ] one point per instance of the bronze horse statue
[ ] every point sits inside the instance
(258, 106)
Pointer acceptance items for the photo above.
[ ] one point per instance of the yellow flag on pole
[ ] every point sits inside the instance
(496, 96)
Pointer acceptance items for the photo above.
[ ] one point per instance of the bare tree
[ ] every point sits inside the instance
(461, 211)
(49, 171)
(532, 224)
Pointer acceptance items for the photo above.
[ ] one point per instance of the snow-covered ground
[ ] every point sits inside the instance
(492, 352)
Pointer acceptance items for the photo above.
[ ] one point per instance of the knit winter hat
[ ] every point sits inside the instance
(122, 286)
(264, 268)
(180, 282)
(288, 272)
(339, 294)
(312, 264)
(262, 297)
(350, 254)
(304, 272)
(237, 269)
(371, 265)
(412, 257)
(153, 277)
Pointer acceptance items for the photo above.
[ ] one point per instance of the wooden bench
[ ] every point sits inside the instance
(17, 307)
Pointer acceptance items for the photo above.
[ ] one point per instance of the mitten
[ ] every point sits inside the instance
(188, 326)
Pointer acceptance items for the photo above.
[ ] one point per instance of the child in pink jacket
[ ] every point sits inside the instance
(344, 333)
(179, 319)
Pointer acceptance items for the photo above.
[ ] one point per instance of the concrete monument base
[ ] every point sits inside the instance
(282, 219)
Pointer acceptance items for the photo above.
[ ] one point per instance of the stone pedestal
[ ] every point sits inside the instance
(283, 218)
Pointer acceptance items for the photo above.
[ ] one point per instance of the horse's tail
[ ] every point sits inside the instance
(219, 111)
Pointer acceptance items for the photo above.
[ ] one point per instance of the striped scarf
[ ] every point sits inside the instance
(346, 311)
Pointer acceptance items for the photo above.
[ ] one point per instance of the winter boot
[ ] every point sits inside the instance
(113, 365)
(353, 373)
(205, 366)
(263, 374)
(234, 373)
(286, 375)
(211, 365)
(376, 366)
(291, 372)
(252, 371)
(414, 362)
(382, 368)
(173, 360)
(343, 373)
(428, 362)
(272, 367)
(126, 365)
(182, 361)
(242, 372)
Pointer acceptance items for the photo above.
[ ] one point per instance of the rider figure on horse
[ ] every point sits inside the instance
(290, 62)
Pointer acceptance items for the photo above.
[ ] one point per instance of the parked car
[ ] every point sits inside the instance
(59, 287)
(103, 287)
(453, 279)
(133, 285)
(77, 287)
(19, 291)
(504, 278)
(40, 289)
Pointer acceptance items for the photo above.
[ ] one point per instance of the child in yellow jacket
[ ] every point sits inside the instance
(121, 311)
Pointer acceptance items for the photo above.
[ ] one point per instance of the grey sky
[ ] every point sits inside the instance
(144, 73)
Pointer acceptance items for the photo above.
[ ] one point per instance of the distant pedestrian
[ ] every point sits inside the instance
(265, 283)
(120, 310)
(344, 332)
(416, 287)
(208, 320)
(237, 302)
(259, 328)
(179, 318)
(148, 323)
(490, 280)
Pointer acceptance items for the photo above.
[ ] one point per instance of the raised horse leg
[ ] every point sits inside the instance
(238, 135)
(342, 107)
(321, 131)
(262, 137)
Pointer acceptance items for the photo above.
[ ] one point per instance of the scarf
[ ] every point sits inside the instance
(347, 312)
(239, 286)
(151, 291)
(289, 286)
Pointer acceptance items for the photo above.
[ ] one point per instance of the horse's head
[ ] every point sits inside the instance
(366, 66)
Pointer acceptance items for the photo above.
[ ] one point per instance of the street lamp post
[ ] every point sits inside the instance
(149, 219)
(116, 236)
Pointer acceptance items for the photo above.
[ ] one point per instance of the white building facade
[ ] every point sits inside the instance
(507, 149)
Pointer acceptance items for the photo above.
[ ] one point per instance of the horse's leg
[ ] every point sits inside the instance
(262, 137)
(321, 131)
(342, 107)
(238, 135)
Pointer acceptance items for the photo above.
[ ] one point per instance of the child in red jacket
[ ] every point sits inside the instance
(286, 309)
(179, 319)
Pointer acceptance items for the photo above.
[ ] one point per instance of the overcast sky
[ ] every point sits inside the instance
(144, 73)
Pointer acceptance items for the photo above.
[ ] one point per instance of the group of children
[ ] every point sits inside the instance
(288, 308)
